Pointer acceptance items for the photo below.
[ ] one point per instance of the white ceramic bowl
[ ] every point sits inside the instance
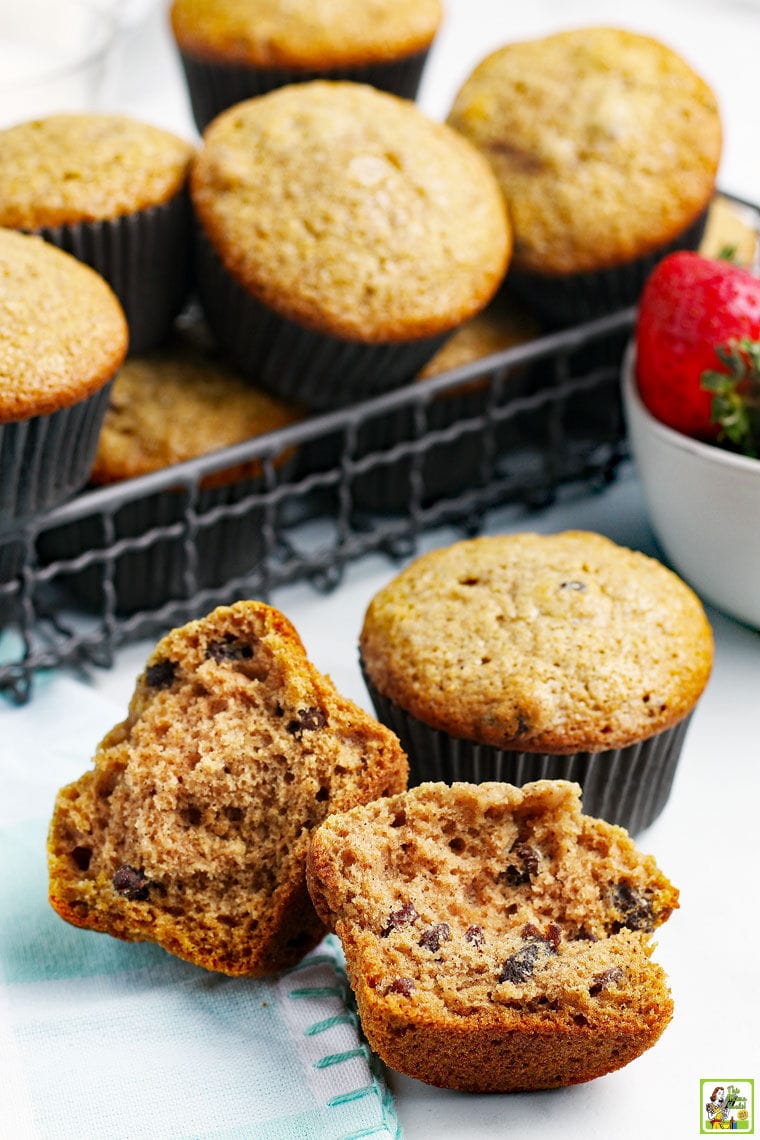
(704, 504)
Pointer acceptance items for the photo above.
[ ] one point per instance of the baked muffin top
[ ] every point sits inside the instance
(606, 144)
(503, 324)
(63, 334)
(556, 643)
(176, 403)
(346, 210)
(85, 167)
(304, 33)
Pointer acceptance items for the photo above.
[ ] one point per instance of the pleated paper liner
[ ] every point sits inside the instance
(12, 554)
(213, 86)
(154, 573)
(627, 786)
(146, 257)
(580, 297)
(46, 459)
(315, 370)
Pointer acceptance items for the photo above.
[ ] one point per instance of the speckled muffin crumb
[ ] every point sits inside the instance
(307, 34)
(496, 939)
(71, 168)
(63, 334)
(544, 643)
(606, 144)
(347, 211)
(192, 828)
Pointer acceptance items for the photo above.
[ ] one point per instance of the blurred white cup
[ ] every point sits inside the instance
(54, 56)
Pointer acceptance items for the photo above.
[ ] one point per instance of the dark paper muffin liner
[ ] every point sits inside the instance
(147, 577)
(627, 786)
(304, 367)
(12, 554)
(45, 459)
(146, 257)
(583, 296)
(214, 86)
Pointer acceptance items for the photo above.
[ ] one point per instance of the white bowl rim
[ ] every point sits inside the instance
(668, 435)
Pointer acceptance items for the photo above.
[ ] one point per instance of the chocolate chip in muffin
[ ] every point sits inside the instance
(404, 916)
(403, 986)
(606, 978)
(633, 907)
(229, 648)
(527, 862)
(307, 720)
(432, 938)
(162, 675)
(131, 883)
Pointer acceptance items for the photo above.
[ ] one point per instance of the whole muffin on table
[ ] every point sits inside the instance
(343, 235)
(232, 50)
(526, 656)
(606, 144)
(112, 191)
(63, 338)
(171, 405)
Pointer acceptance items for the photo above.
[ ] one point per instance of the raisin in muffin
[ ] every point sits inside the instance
(606, 144)
(232, 50)
(63, 338)
(112, 191)
(342, 236)
(496, 939)
(192, 828)
(527, 656)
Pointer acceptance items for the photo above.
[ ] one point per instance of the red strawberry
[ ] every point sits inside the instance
(691, 306)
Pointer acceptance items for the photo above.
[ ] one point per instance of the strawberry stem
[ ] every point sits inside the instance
(736, 395)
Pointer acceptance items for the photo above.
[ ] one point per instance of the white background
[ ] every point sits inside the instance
(706, 838)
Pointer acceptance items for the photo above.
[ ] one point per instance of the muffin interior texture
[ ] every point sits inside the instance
(496, 909)
(192, 829)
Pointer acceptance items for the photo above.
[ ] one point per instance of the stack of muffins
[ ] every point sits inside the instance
(337, 237)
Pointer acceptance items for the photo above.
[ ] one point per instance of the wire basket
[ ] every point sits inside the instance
(130, 560)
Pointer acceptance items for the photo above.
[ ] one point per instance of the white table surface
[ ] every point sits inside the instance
(705, 839)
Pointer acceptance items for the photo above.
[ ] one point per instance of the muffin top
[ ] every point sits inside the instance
(503, 324)
(605, 143)
(554, 643)
(346, 210)
(83, 167)
(305, 34)
(179, 402)
(63, 334)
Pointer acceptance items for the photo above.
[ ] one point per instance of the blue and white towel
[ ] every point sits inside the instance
(103, 1040)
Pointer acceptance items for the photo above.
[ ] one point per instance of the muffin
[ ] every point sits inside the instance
(496, 939)
(526, 656)
(232, 50)
(732, 230)
(112, 191)
(192, 828)
(606, 144)
(172, 405)
(343, 235)
(63, 337)
(448, 465)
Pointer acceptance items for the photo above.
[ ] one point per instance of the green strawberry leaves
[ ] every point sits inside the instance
(736, 395)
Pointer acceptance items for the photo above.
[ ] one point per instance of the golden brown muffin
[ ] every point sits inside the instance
(606, 144)
(504, 324)
(179, 402)
(193, 826)
(525, 656)
(62, 332)
(547, 642)
(304, 34)
(86, 167)
(496, 939)
(732, 229)
(347, 211)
